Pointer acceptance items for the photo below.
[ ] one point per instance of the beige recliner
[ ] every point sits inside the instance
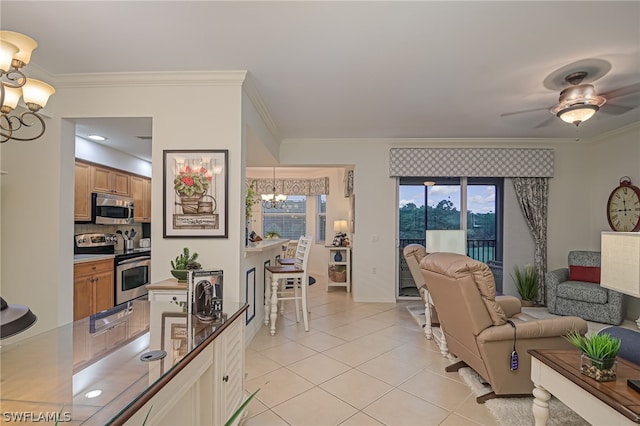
(476, 325)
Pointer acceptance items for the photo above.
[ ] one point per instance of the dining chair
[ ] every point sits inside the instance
(277, 292)
(288, 257)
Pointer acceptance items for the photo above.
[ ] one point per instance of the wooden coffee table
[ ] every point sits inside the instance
(557, 372)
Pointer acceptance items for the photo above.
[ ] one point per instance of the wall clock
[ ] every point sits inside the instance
(623, 207)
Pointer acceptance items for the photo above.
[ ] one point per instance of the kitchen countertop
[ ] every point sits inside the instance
(265, 245)
(55, 370)
(81, 258)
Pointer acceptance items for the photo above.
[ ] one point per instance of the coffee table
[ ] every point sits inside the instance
(557, 372)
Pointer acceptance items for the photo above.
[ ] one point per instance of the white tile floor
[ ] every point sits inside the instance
(360, 364)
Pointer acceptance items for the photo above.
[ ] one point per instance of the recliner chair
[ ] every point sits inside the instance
(476, 325)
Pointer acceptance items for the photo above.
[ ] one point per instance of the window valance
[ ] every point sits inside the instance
(471, 162)
(317, 186)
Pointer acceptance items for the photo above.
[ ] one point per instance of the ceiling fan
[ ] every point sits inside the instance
(579, 100)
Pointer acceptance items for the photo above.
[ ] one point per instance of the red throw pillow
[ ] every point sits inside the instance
(590, 274)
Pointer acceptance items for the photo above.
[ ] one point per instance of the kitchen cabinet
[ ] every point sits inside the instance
(229, 374)
(93, 289)
(82, 194)
(141, 194)
(110, 181)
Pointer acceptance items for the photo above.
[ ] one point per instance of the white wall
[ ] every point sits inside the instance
(37, 203)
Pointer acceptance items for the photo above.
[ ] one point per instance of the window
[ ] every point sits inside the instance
(321, 218)
(289, 222)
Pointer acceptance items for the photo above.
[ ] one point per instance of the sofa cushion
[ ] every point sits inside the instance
(582, 291)
(630, 342)
(590, 274)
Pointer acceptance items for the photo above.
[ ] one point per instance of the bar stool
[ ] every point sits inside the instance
(278, 276)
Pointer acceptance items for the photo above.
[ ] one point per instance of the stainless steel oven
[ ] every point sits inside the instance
(133, 270)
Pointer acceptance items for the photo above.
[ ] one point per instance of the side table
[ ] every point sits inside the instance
(339, 267)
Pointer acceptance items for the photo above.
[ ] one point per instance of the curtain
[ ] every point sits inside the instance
(533, 197)
(292, 186)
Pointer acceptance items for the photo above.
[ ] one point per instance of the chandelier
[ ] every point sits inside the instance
(273, 200)
(15, 53)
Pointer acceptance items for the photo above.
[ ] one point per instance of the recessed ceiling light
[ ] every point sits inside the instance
(93, 394)
(97, 138)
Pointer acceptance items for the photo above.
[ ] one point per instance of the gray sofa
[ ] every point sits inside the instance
(584, 299)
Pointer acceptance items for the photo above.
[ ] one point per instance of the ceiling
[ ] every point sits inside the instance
(382, 69)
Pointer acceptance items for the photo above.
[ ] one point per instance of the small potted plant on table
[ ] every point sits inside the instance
(183, 263)
(599, 351)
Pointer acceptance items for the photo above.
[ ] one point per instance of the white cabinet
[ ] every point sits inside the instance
(210, 386)
(339, 269)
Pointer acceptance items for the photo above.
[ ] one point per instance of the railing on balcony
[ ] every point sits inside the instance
(482, 250)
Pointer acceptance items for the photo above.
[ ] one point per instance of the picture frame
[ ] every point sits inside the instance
(348, 183)
(195, 193)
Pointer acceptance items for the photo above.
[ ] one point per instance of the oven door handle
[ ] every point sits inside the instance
(132, 260)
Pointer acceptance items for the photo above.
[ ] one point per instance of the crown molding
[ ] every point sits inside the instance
(260, 106)
(186, 78)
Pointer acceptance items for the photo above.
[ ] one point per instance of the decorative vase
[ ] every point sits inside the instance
(338, 257)
(602, 370)
(527, 303)
(180, 274)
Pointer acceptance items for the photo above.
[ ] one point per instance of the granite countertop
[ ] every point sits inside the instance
(57, 369)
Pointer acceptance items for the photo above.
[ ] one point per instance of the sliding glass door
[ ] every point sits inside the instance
(437, 204)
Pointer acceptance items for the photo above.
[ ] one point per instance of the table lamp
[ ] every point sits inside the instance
(620, 267)
(14, 319)
(449, 240)
(340, 228)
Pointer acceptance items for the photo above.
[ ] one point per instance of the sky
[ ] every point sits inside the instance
(481, 198)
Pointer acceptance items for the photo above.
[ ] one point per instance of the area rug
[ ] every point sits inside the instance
(517, 411)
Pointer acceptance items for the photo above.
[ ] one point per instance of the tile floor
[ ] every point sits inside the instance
(360, 364)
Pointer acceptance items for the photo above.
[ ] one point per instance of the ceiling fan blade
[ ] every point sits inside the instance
(622, 91)
(545, 123)
(613, 109)
(524, 111)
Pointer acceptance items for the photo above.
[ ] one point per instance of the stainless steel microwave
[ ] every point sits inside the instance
(108, 209)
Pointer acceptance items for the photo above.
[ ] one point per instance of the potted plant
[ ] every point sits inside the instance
(599, 351)
(528, 281)
(183, 263)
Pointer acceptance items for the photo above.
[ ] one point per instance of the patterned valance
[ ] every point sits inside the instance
(471, 162)
(317, 186)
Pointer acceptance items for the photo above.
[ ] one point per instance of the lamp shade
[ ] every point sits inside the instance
(37, 92)
(340, 226)
(25, 45)
(11, 97)
(7, 52)
(620, 262)
(453, 241)
(14, 319)
(578, 113)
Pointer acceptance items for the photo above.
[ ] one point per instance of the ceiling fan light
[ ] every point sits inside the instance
(576, 114)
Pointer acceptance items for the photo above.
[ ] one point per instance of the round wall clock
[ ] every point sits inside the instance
(623, 207)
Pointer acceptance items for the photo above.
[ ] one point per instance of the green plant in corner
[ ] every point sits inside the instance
(601, 348)
(249, 199)
(527, 281)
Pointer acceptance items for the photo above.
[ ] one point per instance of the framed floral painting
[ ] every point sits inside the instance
(195, 193)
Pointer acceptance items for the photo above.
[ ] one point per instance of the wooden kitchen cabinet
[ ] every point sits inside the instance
(141, 194)
(110, 181)
(82, 194)
(93, 289)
